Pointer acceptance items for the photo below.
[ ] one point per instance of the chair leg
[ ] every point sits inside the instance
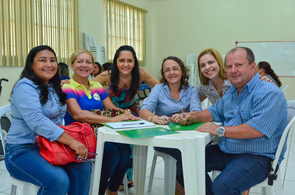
(125, 182)
(152, 172)
(169, 175)
(266, 190)
(13, 190)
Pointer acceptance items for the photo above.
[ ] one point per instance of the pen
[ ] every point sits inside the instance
(127, 124)
(182, 115)
(241, 117)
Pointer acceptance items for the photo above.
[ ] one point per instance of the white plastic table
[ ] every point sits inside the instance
(191, 144)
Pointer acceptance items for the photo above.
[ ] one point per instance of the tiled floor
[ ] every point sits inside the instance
(287, 169)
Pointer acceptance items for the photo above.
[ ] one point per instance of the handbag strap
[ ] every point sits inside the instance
(68, 153)
(73, 129)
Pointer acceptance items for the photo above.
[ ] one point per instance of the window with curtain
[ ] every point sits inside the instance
(125, 26)
(29, 23)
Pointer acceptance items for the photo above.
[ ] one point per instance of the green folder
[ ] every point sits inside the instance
(179, 127)
(146, 132)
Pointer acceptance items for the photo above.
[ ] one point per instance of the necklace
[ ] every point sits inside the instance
(124, 85)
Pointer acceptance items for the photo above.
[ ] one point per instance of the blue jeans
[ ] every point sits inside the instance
(116, 161)
(24, 162)
(239, 171)
(176, 154)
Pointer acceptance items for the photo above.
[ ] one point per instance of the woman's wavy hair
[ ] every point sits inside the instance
(134, 73)
(217, 56)
(184, 69)
(55, 80)
(268, 70)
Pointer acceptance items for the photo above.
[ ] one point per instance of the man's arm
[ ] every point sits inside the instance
(197, 117)
(242, 131)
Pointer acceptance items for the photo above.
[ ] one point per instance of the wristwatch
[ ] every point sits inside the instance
(220, 131)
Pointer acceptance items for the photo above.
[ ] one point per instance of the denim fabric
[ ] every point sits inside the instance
(239, 171)
(175, 153)
(24, 162)
(116, 161)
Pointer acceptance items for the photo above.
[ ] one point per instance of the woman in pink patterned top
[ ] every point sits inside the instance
(212, 74)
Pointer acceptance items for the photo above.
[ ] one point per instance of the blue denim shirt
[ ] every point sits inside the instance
(30, 118)
(161, 102)
(262, 106)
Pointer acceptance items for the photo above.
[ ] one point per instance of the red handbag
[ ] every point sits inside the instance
(60, 154)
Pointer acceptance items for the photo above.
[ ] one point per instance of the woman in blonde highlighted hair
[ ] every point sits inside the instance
(212, 74)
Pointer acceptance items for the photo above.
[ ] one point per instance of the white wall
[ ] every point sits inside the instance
(179, 27)
(190, 26)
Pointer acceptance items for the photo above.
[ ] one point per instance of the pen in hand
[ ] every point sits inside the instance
(182, 115)
(127, 124)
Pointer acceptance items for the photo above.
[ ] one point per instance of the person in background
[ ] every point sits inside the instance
(264, 69)
(84, 95)
(123, 83)
(167, 100)
(39, 113)
(107, 66)
(97, 69)
(254, 115)
(63, 70)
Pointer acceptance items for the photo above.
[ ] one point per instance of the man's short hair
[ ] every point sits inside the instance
(250, 55)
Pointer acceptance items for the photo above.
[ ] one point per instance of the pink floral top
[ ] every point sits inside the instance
(211, 93)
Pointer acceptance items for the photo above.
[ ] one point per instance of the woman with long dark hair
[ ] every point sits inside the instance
(124, 79)
(38, 106)
(264, 69)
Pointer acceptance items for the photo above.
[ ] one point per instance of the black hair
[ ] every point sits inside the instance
(55, 80)
(268, 70)
(63, 69)
(99, 66)
(134, 73)
(107, 66)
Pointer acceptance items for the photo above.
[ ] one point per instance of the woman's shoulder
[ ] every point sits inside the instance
(104, 77)
(26, 83)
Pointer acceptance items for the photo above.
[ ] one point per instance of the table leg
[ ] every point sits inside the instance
(139, 167)
(190, 158)
(201, 164)
(96, 169)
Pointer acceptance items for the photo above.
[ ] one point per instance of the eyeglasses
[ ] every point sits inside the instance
(174, 69)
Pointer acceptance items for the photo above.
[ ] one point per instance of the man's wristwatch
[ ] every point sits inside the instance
(220, 131)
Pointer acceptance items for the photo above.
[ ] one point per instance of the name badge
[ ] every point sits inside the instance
(96, 96)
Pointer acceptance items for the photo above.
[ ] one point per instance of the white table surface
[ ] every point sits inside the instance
(191, 144)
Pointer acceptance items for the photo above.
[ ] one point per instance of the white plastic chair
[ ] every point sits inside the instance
(4, 110)
(277, 183)
(191, 65)
(169, 172)
(284, 89)
(23, 187)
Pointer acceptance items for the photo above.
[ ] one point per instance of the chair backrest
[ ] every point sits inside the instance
(291, 120)
(191, 58)
(291, 109)
(284, 89)
(4, 110)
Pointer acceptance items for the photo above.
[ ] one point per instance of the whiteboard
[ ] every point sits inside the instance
(280, 55)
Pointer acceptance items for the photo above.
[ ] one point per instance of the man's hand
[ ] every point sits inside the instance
(208, 127)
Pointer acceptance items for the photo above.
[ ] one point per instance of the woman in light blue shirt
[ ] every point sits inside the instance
(38, 106)
(167, 100)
